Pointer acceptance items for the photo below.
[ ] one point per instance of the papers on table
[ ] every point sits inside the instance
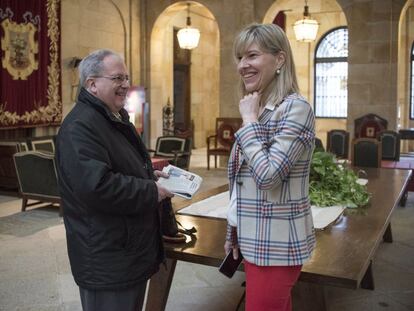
(362, 181)
(324, 216)
(216, 206)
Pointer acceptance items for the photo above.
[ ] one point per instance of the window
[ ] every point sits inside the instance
(331, 74)
(412, 84)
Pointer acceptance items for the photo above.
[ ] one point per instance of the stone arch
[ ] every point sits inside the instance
(124, 27)
(405, 42)
(83, 31)
(204, 70)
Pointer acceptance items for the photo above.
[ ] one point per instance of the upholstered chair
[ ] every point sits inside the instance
(366, 152)
(176, 149)
(37, 176)
(338, 143)
(221, 142)
(390, 145)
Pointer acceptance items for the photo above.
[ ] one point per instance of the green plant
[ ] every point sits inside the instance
(333, 184)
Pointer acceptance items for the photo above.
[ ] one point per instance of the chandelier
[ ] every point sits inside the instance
(306, 28)
(188, 37)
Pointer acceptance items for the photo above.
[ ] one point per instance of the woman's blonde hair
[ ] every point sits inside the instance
(272, 39)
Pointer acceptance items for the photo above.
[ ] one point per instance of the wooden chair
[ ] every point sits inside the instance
(176, 149)
(220, 143)
(369, 126)
(366, 152)
(338, 143)
(43, 145)
(37, 176)
(390, 145)
(319, 145)
(23, 146)
(8, 177)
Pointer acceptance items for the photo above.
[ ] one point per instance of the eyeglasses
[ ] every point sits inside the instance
(118, 79)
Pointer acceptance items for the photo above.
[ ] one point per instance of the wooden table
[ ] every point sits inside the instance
(407, 133)
(342, 257)
(403, 164)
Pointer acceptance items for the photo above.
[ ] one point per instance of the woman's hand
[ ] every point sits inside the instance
(249, 107)
(228, 247)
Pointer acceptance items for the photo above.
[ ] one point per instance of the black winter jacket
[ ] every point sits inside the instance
(109, 198)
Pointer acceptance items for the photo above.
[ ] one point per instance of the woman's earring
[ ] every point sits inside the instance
(278, 71)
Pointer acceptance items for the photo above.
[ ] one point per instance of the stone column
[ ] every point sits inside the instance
(372, 60)
(232, 16)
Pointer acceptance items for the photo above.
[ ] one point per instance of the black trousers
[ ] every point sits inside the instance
(130, 299)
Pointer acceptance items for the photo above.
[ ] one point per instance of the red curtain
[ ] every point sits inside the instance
(30, 76)
(280, 20)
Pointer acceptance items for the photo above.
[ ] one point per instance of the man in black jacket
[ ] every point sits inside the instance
(109, 192)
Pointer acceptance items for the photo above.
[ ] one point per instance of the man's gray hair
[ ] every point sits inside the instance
(92, 65)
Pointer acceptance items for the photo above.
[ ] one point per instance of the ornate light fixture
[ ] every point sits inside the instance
(306, 28)
(188, 37)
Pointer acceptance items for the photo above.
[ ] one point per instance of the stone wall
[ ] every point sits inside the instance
(85, 27)
(373, 38)
(375, 29)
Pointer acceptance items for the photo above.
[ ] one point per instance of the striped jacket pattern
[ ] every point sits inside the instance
(269, 170)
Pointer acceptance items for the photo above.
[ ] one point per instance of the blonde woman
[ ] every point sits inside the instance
(269, 217)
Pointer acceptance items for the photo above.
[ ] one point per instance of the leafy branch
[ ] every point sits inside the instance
(333, 184)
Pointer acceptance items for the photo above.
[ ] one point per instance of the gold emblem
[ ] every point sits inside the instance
(19, 48)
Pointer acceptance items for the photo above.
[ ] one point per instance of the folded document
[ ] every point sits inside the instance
(216, 206)
(180, 182)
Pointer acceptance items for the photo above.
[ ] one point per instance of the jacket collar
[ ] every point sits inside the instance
(271, 106)
(90, 99)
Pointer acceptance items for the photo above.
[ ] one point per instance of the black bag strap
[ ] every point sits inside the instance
(190, 231)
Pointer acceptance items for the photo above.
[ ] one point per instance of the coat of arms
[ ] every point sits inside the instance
(19, 48)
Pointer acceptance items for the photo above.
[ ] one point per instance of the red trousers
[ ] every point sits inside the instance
(268, 288)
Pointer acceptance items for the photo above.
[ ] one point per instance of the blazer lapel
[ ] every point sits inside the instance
(263, 119)
(267, 113)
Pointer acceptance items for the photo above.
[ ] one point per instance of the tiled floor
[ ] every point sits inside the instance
(35, 272)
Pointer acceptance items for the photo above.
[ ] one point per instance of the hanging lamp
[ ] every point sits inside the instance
(306, 28)
(188, 37)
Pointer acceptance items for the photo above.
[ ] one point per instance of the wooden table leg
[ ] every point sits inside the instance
(404, 197)
(367, 281)
(159, 286)
(308, 297)
(387, 237)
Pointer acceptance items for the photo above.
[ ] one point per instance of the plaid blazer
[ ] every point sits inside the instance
(269, 170)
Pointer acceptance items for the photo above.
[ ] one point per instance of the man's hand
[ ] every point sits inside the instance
(163, 192)
(159, 174)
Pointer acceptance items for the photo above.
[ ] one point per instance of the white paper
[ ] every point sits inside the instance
(214, 206)
(324, 216)
(362, 181)
(180, 182)
(217, 206)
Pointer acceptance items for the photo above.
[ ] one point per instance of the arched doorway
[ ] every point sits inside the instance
(405, 72)
(200, 72)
